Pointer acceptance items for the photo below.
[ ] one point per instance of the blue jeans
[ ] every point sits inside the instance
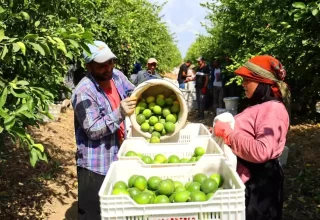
(182, 85)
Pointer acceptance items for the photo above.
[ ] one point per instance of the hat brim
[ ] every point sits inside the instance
(243, 71)
(104, 56)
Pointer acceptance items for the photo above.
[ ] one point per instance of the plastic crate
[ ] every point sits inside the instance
(226, 204)
(182, 150)
(188, 133)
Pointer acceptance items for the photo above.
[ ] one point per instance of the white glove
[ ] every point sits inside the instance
(128, 105)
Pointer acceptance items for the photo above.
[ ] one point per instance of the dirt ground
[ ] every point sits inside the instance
(49, 191)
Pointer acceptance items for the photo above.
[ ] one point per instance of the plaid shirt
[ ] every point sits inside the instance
(96, 124)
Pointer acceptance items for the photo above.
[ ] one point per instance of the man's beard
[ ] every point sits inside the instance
(104, 77)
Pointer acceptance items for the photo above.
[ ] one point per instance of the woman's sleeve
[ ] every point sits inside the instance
(265, 145)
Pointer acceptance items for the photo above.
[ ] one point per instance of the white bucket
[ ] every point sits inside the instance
(223, 110)
(231, 103)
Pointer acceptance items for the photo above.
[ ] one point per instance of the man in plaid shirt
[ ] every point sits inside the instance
(100, 102)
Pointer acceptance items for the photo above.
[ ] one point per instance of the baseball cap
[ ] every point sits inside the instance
(200, 58)
(152, 60)
(100, 53)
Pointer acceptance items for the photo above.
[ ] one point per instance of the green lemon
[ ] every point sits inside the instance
(153, 120)
(170, 127)
(120, 185)
(160, 158)
(155, 134)
(199, 177)
(158, 127)
(168, 101)
(171, 118)
(151, 105)
(150, 99)
(175, 108)
(173, 159)
(177, 183)
(133, 192)
(160, 102)
(131, 180)
(131, 154)
(194, 186)
(160, 96)
(197, 196)
(166, 112)
(153, 182)
(209, 186)
(145, 127)
(140, 183)
(199, 151)
(209, 195)
(147, 113)
(142, 105)
(157, 109)
(146, 159)
(173, 97)
(184, 160)
(179, 189)
(217, 177)
(119, 191)
(182, 196)
(151, 129)
(143, 198)
(166, 187)
(141, 119)
(161, 199)
(154, 140)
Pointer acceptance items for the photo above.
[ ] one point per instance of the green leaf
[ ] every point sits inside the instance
(3, 97)
(18, 95)
(85, 48)
(38, 48)
(25, 15)
(37, 23)
(61, 45)
(1, 129)
(73, 20)
(51, 40)
(39, 146)
(315, 12)
(74, 43)
(1, 10)
(33, 157)
(19, 132)
(22, 83)
(24, 107)
(15, 47)
(31, 37)
(300, 5)
(42, 156)
(22, 47)
(69, 55)
(4, 52)
(1, 34)
(46, 48)
(27, 114)
(9, 122)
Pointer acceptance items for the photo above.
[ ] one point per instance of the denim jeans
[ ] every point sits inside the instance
(182, 85)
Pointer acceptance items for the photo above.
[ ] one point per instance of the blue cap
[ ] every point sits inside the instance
(100, 53)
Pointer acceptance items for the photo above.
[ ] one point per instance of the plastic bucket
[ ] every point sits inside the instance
(231, 103)
(153, 88)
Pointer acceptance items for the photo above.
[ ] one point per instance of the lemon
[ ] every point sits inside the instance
(168, 101)
(154, 140)
(133, 192)
(155, 134)
(171, 118)
(181, 196)
(153, 182)
(175, 108)
(147, 113)
(166, 187)
(173, 97)
(197, 196)
(209, 186)
(177, 183)
(160, 96)
(199, 177)
(217, 177)
(142, 105)
(151, 105)
(173, 159)
(161, 199)
(158, 127)
(160, 158)
(153, 120)
(131, 180)
(194, 186)
(160, 102)
(120, 185)
(146, 159)
(141, 119)
(179, 189)
(170, 127)
(140, 183)
(119, 191)
(157, 109)
(150, 99)
(199, 151)
(143, 198)
(165, 112)
(209, 195)
(131, 154)
(145, 127)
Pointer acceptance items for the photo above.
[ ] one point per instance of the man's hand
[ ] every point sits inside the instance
(128, 105)
(204, 90)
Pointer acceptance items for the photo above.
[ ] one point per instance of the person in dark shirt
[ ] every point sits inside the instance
(202, 78)
(183, 74)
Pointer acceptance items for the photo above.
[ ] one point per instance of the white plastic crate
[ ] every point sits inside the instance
(182, 150)
(188, 133)
(226, 204)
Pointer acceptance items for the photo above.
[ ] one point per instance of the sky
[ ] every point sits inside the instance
(183, 18)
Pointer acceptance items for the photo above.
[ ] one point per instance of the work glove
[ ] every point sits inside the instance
(204, 90)
(127, 106)
(223, 129)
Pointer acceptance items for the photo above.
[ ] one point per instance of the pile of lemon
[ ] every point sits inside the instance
(157, 115)
(161, 159)
(156, 190)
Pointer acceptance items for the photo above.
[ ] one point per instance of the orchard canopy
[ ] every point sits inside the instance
(39, 39)
(287, 30)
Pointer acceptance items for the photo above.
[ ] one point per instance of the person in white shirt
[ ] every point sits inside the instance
(218, 93)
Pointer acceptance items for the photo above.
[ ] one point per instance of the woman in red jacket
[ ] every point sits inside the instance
(259, 136)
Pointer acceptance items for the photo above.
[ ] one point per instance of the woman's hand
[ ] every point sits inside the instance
(223, 129)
